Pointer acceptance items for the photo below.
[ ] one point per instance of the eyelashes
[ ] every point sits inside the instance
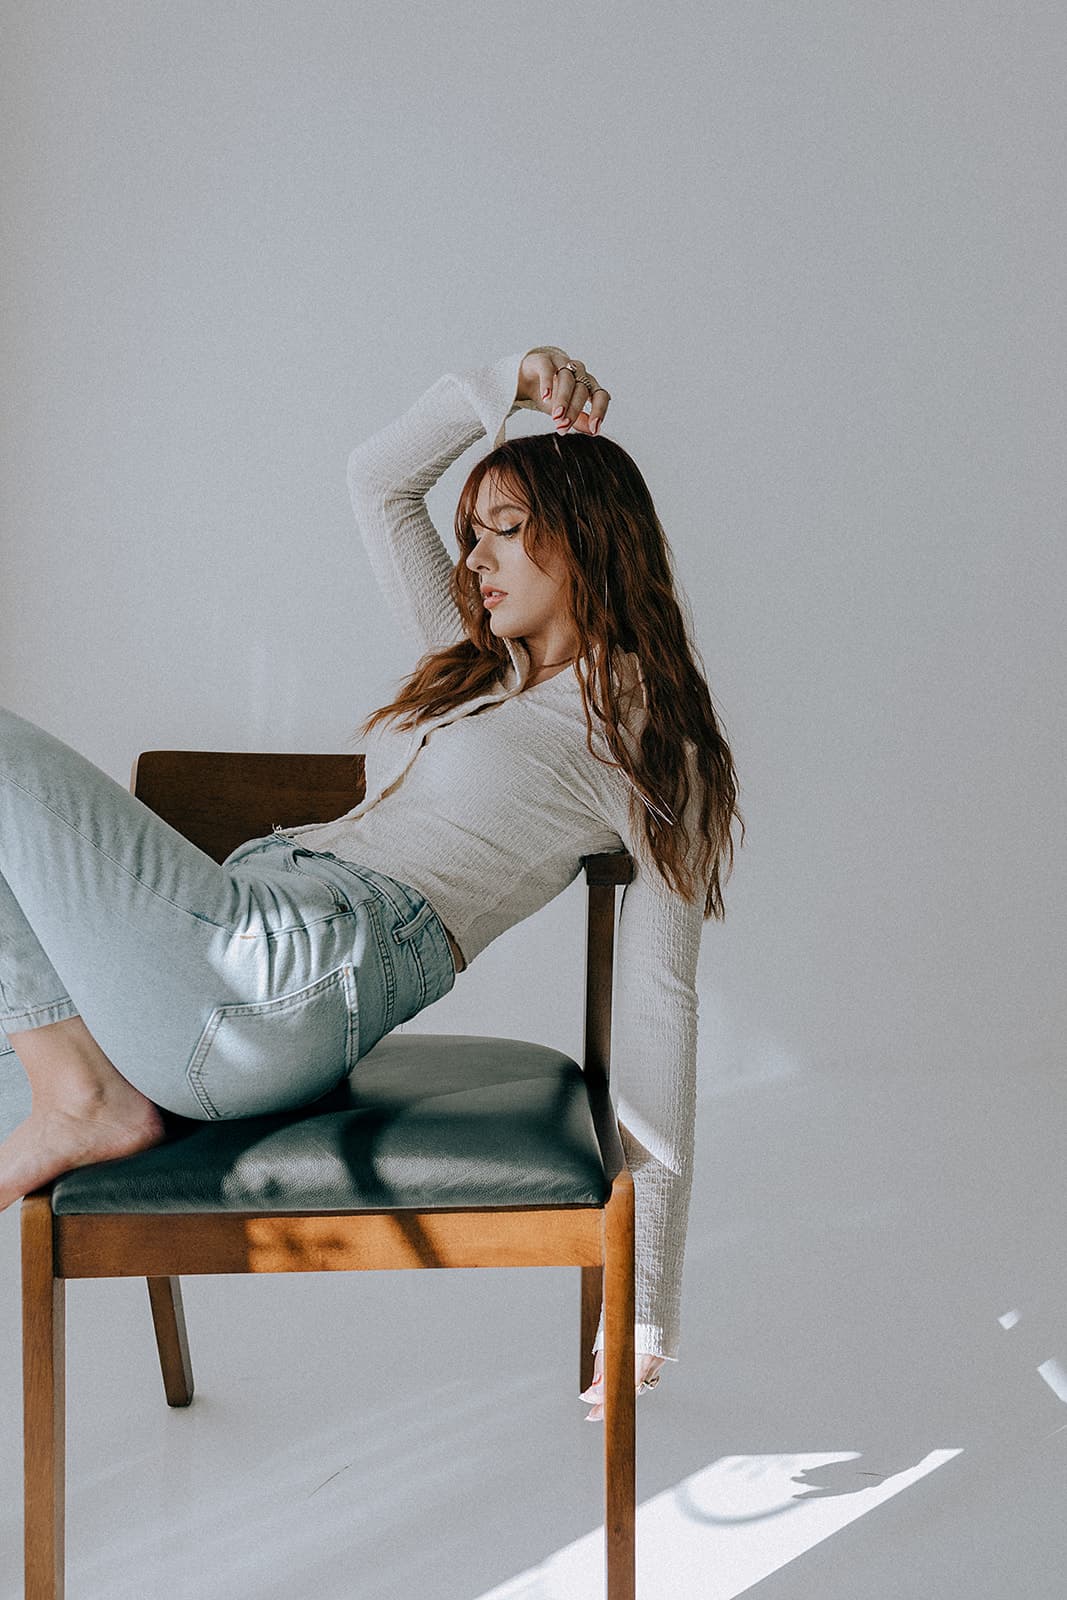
(505, 533)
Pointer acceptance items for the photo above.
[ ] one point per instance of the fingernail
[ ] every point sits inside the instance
(558, 411)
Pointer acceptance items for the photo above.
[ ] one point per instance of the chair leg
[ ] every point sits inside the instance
(620, 1399)
(43, 1372)
(592, 1299)
(172, 1341)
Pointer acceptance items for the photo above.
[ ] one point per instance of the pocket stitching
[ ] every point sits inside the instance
(194, 1071)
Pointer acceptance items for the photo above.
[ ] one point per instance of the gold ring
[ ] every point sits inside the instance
(568, 366)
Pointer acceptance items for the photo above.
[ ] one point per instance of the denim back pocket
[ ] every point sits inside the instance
(274, 1055)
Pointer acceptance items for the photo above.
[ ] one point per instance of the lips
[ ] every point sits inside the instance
(491, 596)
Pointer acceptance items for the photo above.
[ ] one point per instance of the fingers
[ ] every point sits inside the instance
(644, 1367)
(551, 386)
(565, 408)
(599, 402)
(570, 394)
(540, 382)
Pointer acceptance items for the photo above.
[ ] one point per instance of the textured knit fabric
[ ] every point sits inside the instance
(488, 815)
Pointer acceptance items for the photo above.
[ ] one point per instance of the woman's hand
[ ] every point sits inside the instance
(547, 384)
(644, 1367)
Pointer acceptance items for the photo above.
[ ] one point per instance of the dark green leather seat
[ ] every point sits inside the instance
(423, 1122)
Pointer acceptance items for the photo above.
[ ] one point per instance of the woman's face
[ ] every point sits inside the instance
(533, 606)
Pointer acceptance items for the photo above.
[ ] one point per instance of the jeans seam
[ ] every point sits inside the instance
(384, 961)
(297, 927)
(413, 946)
(351, 1046)
(16, 1017)
(424, 987)
(36, 798)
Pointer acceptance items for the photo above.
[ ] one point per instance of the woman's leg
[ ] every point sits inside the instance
(83, 1109)
(183, 984)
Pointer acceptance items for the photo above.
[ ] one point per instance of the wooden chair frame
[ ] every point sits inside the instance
(219, 799)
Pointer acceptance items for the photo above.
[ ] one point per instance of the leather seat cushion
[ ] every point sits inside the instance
(423, 1122)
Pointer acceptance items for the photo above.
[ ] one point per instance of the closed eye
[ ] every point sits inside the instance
(505, 533)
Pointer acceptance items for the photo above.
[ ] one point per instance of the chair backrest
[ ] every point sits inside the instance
(220, 798)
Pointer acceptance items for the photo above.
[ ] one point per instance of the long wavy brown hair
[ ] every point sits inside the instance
(588, 505)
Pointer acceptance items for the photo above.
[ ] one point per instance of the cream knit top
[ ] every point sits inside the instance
(487, 815)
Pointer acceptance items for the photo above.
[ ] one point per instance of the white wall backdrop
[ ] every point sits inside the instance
(816, 253)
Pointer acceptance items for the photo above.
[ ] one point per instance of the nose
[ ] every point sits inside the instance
(476, 560)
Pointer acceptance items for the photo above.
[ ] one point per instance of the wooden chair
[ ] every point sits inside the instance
(422, 1181)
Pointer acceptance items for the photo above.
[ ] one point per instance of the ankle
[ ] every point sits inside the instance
(79, 1094)
(66, 1067)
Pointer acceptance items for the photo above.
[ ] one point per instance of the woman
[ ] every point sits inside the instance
(560, 620)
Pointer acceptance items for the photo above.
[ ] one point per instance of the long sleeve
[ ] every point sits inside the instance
(390, 474)
(653, 1086)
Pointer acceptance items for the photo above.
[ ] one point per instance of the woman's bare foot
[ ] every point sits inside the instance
(53, 1140)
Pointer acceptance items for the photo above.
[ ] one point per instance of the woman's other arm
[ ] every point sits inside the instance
(654, 1084)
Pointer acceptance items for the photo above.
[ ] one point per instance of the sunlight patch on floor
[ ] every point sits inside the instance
(727, 1527)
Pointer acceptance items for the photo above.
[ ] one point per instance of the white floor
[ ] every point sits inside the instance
(871, 1398)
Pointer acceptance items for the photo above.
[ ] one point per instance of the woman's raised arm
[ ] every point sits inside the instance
(390, 474)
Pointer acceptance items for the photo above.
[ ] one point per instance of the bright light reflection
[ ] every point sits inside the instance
(724, 1528)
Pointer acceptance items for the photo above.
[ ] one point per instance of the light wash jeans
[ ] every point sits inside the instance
(218, 991)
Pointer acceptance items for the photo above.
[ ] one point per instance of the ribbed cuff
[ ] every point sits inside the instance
(491, 391)
(648, 1340)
